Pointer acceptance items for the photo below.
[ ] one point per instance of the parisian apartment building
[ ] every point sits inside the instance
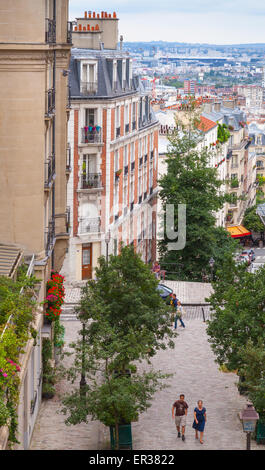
(113, 137)
(35, 44)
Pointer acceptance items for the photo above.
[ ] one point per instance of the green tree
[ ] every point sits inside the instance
(252, 221)
(238, 304)
(190, 180)
(253, 371)
(124, 321)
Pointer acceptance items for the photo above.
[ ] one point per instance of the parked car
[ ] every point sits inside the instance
(164, 291)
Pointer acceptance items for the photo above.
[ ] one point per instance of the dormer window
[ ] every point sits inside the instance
(88, 78)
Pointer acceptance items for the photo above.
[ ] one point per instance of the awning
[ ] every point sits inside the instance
(237, 231)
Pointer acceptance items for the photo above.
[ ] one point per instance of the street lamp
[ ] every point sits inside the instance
(249, 417)
(107, 240)
(211, 263)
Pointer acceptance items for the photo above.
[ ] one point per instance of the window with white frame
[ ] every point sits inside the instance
(118, 121)
(88, 77)
(114, 76)
(124, 74)
(116, 160)
(132, 152)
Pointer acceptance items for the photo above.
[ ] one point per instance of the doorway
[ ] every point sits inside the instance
(87, 261)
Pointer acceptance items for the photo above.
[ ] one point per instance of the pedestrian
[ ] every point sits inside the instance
(174, 304)
(156, 270)
(180, 407)
(199, 420)
(179, 312)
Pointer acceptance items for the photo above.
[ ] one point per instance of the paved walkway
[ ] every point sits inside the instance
(51, 433)
(197, 376)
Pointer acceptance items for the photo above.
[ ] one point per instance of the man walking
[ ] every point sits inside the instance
(180, 407)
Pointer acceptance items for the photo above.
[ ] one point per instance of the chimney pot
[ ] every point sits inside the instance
(85, 14)
(89, 14)
(102, 14)
(80, 27)
(109, 15)
(84, 28)
(114, 14)
(106, 14)
(75, 28)
(94, 14)
(97, 27)
(88, 27)
(92, 29)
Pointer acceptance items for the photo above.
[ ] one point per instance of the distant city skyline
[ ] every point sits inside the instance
(193, 21)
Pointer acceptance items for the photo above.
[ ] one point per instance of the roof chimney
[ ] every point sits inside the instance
(85, 14)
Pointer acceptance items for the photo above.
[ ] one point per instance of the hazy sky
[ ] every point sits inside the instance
(205, 21)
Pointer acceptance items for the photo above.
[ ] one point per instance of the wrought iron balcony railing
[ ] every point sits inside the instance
(50, 236)
(50, 31)
(89, 225)
(91, 180)
(91, 135)
(69, 32)
(50, 101)
(88, 88)
(49, 170)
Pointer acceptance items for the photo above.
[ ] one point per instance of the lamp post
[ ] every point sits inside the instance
(211, 263)
(249, 417)
(107, 240)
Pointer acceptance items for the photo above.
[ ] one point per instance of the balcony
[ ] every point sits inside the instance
(50, 31)
(67, 222)
(91, 181)
(91, 135)
(50, 102)
(49, 171)
(50, 236)
(69, 32)
(89, 225)
(88, 88)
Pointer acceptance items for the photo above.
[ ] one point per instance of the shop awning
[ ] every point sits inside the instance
(237, 231)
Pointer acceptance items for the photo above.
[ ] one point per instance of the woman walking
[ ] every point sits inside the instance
(199, 420)
(179, 313)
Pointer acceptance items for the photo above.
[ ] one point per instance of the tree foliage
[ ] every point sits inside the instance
(236, 330)
(192, 181)
(252, 221)
(124, 321)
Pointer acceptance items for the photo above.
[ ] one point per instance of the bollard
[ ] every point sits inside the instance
(203, 314)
